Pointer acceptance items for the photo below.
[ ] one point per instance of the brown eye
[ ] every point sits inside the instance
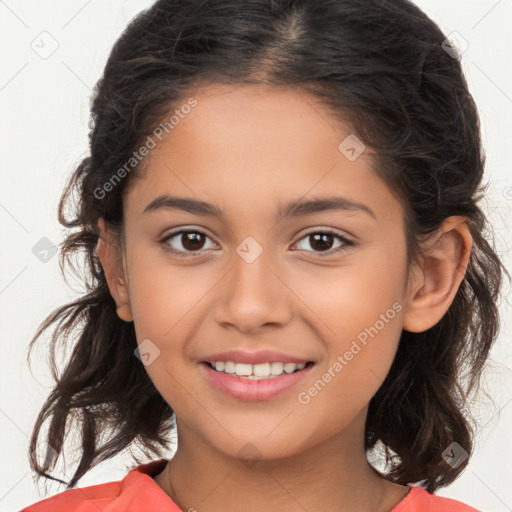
(187, 242)
(323, 242)
(192, 241)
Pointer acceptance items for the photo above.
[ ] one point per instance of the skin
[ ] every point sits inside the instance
(248, 150)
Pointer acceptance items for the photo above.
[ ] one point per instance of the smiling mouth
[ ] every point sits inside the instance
(257, 371)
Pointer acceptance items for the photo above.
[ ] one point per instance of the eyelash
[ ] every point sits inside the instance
(185, 254)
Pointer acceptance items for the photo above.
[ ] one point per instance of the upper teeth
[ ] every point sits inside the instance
(256, 370)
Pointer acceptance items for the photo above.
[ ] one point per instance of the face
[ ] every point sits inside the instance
(325, 286)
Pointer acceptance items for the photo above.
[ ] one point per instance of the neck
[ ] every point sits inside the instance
(334, 475)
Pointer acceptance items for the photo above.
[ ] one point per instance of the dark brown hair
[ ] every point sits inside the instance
(383, 67)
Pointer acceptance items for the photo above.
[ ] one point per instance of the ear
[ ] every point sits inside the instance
(433, 285)
(109, 254)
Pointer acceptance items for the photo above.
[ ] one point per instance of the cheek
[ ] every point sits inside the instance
(164, 295)
(345, 302)
(360, 320)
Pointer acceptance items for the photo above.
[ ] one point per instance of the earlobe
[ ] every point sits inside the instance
(433, 287)
(111, 261)
(124, 312)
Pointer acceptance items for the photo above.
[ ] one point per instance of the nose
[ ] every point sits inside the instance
(253, 294)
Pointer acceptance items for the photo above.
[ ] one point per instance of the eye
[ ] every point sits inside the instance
(189, 242)
(323, 241)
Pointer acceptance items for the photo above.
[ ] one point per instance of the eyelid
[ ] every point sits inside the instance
(332, 231)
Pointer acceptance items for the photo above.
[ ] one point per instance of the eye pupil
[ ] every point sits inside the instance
(193, 238)
(321, 237)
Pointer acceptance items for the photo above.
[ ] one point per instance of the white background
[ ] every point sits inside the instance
(43, 131)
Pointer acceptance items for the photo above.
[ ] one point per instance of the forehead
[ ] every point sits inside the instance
(256, 146)
(250, 115)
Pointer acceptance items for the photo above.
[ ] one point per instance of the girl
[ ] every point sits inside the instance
(287, 263)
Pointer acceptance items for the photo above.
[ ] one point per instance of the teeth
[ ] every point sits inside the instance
(256, 371)
(219, 366)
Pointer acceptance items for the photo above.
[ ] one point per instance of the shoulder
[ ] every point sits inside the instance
(136, 491)
(419, 500)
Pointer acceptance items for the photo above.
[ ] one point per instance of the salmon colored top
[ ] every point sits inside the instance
(138, 492)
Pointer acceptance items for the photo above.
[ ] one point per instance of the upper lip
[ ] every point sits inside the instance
(262, 356)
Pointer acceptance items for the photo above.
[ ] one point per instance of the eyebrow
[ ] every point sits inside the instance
(293, 209)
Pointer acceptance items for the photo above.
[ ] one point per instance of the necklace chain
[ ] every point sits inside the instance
(174, 495)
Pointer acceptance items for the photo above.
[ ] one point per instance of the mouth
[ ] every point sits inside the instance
(269, 370)
(257, 382)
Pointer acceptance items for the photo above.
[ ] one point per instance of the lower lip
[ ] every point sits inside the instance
(252, 389)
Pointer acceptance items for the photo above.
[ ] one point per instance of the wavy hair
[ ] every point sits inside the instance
(380, 65)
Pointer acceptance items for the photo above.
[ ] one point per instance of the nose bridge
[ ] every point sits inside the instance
(252, 294)
(251, 273)
(251, 263)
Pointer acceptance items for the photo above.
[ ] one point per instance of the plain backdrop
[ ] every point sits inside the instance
(52, 54)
